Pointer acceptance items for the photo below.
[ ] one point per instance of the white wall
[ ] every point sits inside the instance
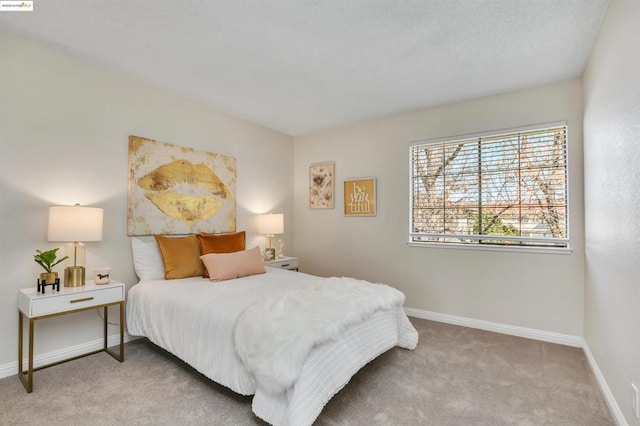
(612, 199)
(64, 127)
(539, 291)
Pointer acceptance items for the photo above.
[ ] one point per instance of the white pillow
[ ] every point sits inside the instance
(147, 259)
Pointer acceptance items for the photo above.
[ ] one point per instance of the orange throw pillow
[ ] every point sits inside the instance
(181, 256)
(221, 243)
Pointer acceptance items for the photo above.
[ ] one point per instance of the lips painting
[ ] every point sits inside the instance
(190, 190)
(185, 191)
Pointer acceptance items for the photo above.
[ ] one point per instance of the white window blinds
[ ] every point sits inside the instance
(498, 189)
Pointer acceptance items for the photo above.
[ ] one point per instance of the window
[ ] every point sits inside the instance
(500, 189)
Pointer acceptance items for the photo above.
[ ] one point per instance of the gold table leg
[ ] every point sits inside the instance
(119, 356)
(27, 380)
(27, 377)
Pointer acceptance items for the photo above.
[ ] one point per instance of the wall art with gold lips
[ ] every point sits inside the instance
(179, 190)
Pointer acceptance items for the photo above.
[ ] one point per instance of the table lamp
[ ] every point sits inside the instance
(75, 224)
(270, 225)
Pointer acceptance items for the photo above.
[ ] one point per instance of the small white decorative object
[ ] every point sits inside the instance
(280, 248)
(102, 275)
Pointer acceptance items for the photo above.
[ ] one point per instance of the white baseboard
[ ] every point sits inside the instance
(11, 368)
(604, 387)
(529, 333)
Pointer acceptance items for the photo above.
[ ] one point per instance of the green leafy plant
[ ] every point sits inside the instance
(47, 259)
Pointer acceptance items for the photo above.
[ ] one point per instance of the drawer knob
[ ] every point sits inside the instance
(284, 265)
(81, 300)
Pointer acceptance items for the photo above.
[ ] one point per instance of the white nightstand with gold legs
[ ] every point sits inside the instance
(290, 263)
(36, 306)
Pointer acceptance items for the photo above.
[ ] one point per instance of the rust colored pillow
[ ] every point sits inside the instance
(227, 266)
(181, 256)
(221, 243)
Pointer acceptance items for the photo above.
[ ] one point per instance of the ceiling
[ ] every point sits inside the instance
(301, 66)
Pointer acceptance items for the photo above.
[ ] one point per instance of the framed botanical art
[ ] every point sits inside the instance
(322, 185)
(360, 197)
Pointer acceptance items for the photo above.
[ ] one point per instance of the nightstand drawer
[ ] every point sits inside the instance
(72, 301)
(285, 264)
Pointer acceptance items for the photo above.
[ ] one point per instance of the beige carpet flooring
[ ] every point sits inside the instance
(456, 376)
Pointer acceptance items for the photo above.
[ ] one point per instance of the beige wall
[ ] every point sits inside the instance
(612, 182)
(539, 291)
(64, 134)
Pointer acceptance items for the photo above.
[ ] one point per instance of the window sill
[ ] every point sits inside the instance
(454, 246)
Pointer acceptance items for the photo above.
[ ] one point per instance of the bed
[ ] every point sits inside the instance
(227, 330)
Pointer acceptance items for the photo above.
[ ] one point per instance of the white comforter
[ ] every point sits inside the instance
(194, 319)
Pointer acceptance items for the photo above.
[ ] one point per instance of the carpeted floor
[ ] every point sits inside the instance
(456, 376)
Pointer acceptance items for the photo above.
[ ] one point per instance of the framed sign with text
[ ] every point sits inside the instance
(360, 197)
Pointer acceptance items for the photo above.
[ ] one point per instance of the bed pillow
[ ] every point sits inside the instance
(181, 256)
(221, 243)
(147, 259)
(227, 266)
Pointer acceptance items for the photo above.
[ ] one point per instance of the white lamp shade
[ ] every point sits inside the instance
(75, 223)
(271, 224)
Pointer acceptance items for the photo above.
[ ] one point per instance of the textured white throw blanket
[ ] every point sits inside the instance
(274, 336)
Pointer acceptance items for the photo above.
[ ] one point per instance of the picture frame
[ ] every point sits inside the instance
(360, 197)
(175, 190)
(322, 185)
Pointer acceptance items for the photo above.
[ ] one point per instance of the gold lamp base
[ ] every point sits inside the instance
(74, 276)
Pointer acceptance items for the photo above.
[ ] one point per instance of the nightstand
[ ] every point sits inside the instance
(290, 263)
(36, 306)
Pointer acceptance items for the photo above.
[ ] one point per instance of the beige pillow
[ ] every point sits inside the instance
(181, 256)
(227, 266)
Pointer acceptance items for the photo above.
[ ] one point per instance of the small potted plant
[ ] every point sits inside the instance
(47, 259)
